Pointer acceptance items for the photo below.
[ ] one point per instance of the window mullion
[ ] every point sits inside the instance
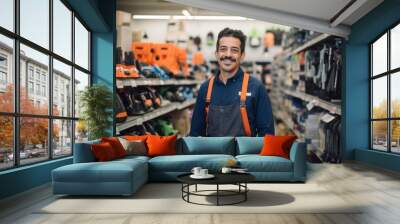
(50, 81)
(371, 99)
(89, 54)
(389, 92)
(73, 81)
(16, 84)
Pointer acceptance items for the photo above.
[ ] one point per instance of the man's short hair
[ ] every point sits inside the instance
(228, 32)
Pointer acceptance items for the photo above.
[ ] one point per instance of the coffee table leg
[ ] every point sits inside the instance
(217, 194)
(245, 193)
(188, 189)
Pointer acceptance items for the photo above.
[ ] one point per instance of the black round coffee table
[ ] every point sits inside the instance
(238, 179)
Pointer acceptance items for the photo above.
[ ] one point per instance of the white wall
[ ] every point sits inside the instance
(157, 32)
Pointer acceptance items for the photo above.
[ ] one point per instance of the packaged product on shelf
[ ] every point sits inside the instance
(181, 120)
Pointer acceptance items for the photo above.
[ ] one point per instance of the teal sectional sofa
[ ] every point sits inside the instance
(125, 176)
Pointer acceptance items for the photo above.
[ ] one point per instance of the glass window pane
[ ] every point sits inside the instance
(7, 14)
(62, 29)
(33, 139)
(379, 135)
(6, 74)
(81, 131)
(395, 136)
(62, 138)
(81, 81)
(35, 21)
(6, 142)
(379, 97)
(62, 89)
(379, 55)
(81, 45)
(395, 94)
(395, 47)
(34, 80)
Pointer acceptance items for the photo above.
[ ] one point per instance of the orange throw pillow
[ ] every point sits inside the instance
(161, 145)
(136, 137)
(103, 152)
(116, 145)
(277, 145)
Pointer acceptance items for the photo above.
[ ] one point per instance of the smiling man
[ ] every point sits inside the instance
(232, 103)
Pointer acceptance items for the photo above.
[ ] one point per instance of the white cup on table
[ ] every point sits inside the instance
(203, 172)
(196, 171)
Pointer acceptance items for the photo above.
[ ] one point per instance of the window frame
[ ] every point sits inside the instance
(388, 74)
(16, 114)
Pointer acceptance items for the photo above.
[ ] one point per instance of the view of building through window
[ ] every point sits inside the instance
(385, 79)
(38, 89)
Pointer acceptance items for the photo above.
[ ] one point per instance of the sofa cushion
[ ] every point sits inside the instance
(185, 163)
(207, 145)
(134, 147)
(161, 145)
(257, 163)
(93, 172)
(249, 145)
(103, 152)
(112, 171)
(277, 145)
(116, 145)
(132, 158)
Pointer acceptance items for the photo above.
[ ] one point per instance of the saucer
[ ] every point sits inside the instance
(208, 176)
(240, 171)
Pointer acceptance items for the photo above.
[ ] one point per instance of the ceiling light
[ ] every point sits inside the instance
(219, 18)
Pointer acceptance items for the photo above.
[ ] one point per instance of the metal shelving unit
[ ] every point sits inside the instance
(281, 69)
(155, 82)
(306, 45)
(331, 107)
(283, 66)
(309, 44)
(138, 120)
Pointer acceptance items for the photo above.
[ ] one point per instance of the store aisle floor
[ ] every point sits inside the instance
(377, 188)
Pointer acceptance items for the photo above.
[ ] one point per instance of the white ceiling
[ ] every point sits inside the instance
(321, 9)
(314, 15)
(160, 7)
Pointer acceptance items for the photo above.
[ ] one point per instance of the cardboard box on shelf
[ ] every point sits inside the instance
(181, 121)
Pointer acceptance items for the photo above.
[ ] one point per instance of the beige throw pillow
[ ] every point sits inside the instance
(137, 148)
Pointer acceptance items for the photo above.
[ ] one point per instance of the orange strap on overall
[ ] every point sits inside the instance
(243, 95)
(208, 98)
(243, 110)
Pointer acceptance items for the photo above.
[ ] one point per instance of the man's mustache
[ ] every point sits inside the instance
(227, 58)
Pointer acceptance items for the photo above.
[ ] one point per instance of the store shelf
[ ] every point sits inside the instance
(188, 103)
(308, 44)
(289, 123)
(331, 107)
(138, 120)
(155, 82)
